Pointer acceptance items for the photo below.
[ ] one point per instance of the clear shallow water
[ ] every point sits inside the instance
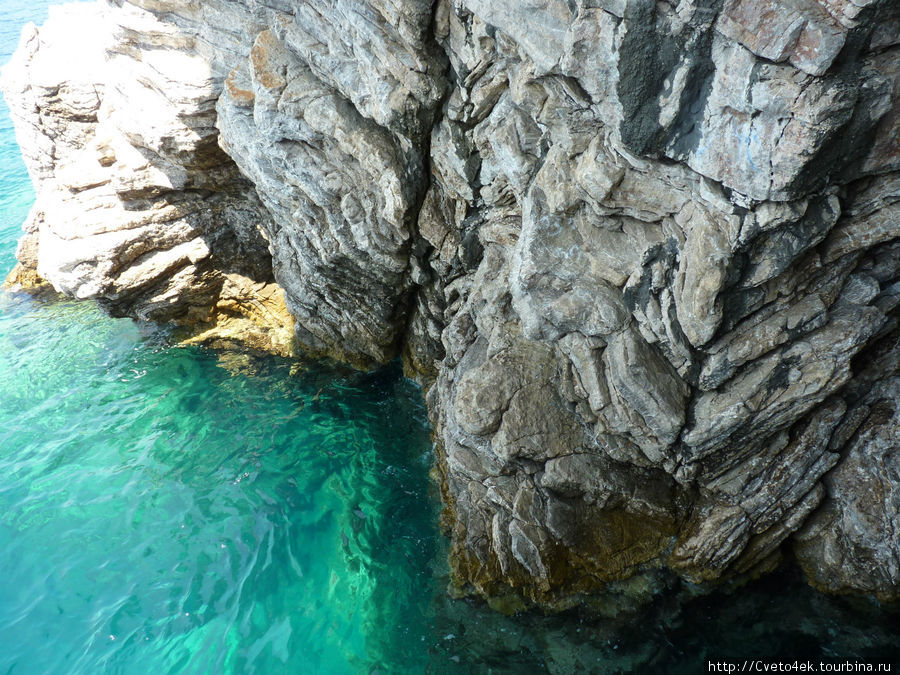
(167, 510)
(16, 194)
(168, 507)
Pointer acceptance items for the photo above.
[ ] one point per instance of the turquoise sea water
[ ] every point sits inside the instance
(169, 510)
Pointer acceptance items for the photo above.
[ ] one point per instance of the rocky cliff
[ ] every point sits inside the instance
(643, 255)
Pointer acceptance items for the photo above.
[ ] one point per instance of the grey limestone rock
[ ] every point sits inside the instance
(850, 544)
(643, 256)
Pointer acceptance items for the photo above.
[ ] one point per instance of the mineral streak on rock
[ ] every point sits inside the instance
(643, 255)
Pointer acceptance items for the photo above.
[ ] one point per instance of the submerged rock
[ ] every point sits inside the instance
(643, 256)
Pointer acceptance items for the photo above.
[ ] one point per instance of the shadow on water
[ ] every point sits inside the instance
(776, 619)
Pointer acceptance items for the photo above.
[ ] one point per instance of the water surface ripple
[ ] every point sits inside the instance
(173, 507)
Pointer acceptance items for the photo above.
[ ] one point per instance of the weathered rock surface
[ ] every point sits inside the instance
(137, 205)
(643, 255)
(851, 543)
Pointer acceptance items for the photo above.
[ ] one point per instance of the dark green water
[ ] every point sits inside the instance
(170, 510)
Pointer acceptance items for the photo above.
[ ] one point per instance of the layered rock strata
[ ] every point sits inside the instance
(137, 205)
(643, 255)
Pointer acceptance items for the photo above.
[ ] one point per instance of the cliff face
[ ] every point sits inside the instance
(644, 256)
